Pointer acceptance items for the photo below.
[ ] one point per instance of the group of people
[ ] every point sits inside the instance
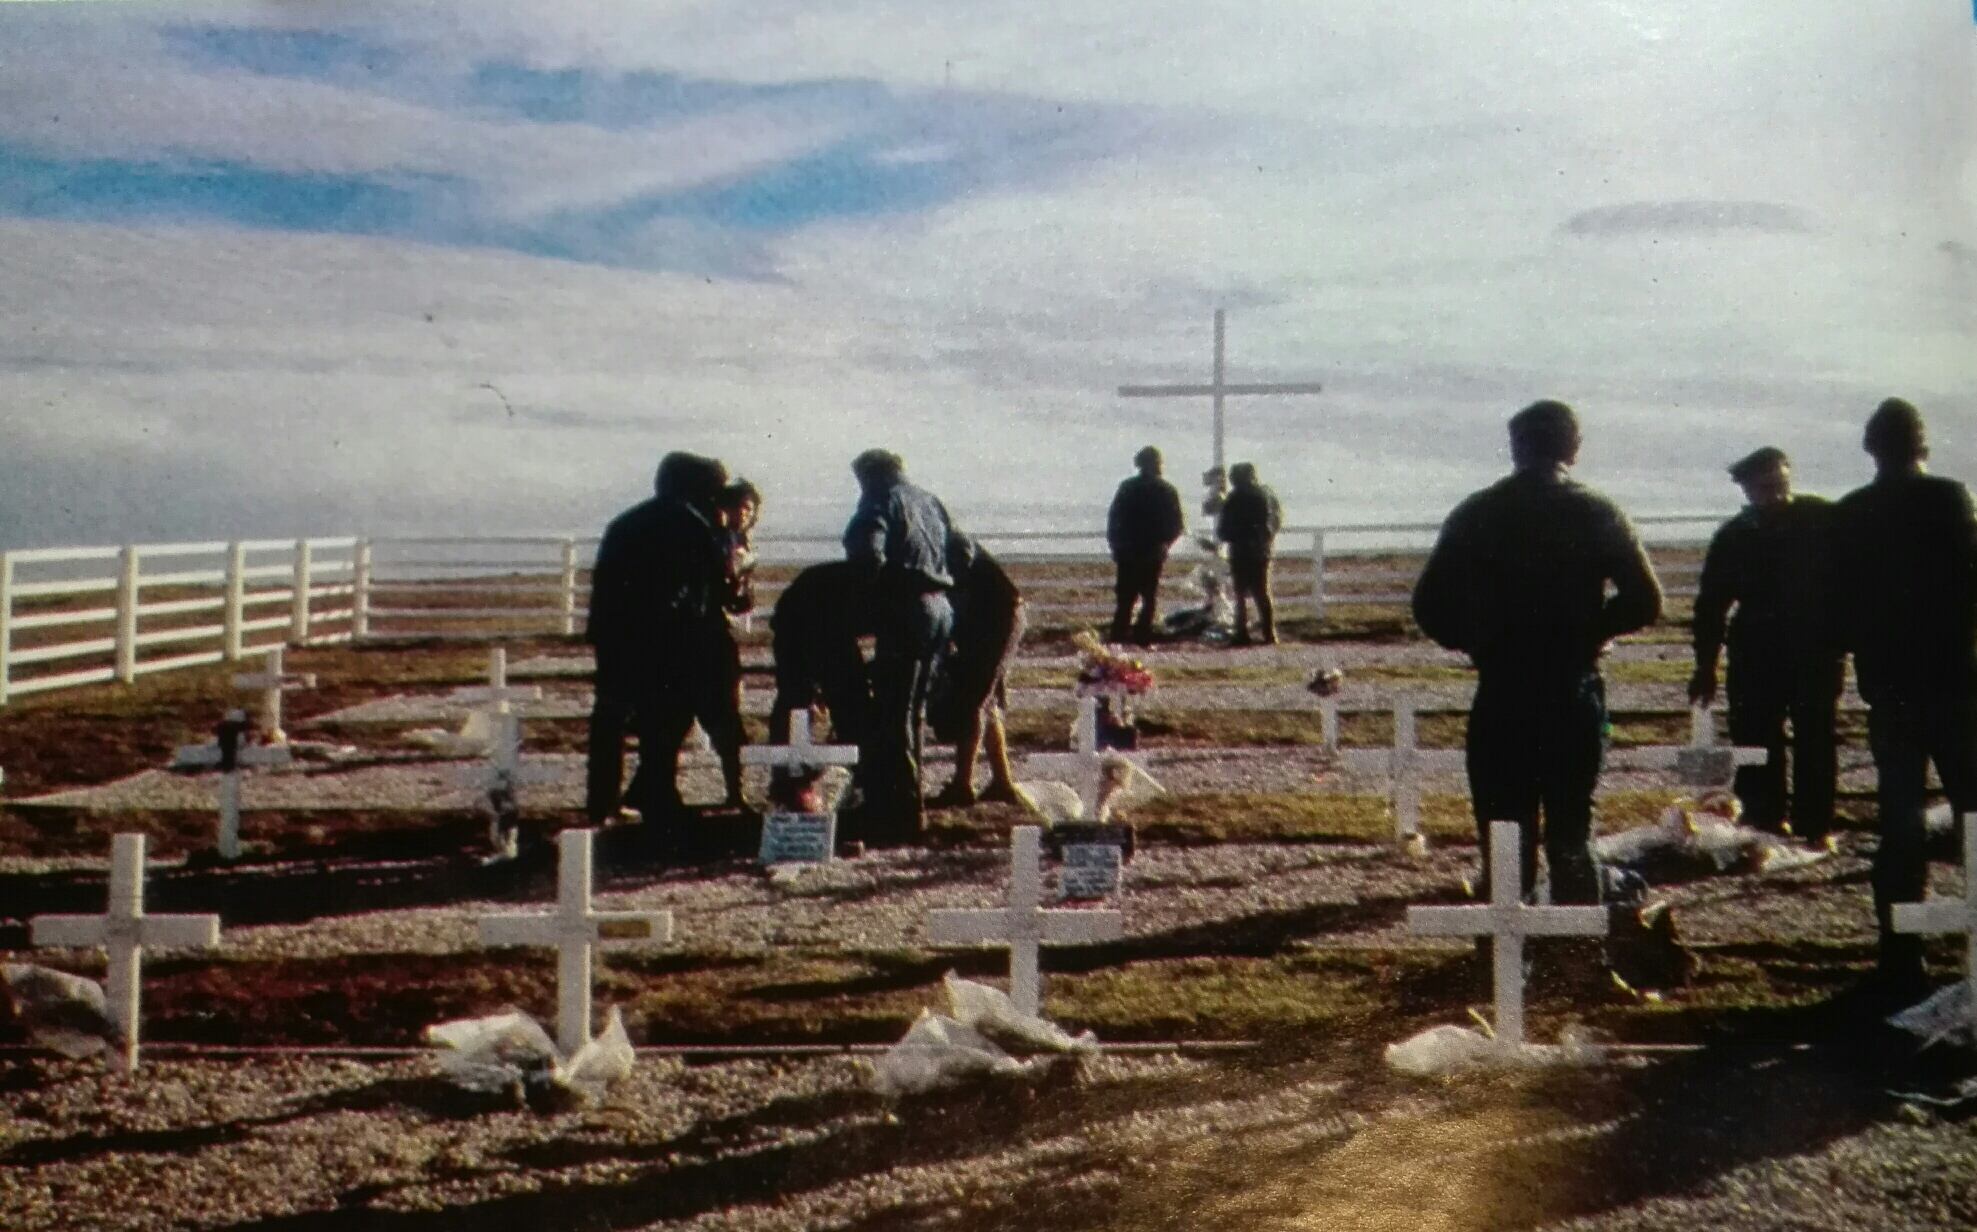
(673, 573)
(1145, 521)
(1532, 576)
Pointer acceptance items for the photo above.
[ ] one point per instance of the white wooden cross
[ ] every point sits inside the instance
(574, 929)
(1953, 915)
(1025, 924)
(230, 753)
(1084, 765)
(123, 932)
(1508, 919)
(272, 681)
(502, 776)
(801, 753)
(1219, 388)
(1699, 760)
(497, 693)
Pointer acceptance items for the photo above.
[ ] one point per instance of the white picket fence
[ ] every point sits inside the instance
(259, 593)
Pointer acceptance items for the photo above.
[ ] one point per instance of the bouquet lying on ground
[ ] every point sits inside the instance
(1103, 670)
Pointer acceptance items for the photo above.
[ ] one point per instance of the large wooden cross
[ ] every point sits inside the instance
(123, 931)
(1219, 389)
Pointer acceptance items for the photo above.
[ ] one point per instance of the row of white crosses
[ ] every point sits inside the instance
(574, 928)
(1700, 762)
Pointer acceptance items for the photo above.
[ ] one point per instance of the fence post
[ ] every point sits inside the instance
(6, 620)
(569, 587)
(1318, 574)
(360, 591)
(298, 619)
(236, 601)
(127, 562)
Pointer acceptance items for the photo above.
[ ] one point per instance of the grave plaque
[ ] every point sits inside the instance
(1090, 871)
(798, 838)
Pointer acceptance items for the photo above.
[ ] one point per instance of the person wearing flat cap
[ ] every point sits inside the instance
(1769, 564)
(1908, 560)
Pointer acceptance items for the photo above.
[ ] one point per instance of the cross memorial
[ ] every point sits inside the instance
(1405, 763)
(799, 837)
(1218, 390)
(1084, 765)
(1025, 924)
(1953, 916)
(575, 930)
(230, 753)
(503, 773)
(497, 693)
(272, 681)
(1702, 762)
(123, 932)
(1508, 920)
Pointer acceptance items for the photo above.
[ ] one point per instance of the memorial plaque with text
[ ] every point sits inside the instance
(1090, 871)
(798, 838)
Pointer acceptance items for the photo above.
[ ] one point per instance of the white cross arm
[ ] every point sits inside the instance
(288, 681)
(1209, 391)
(1073, 927)
(607, 928)
(483, 775)
(1449, 921)
(248, 756)
(799, 755)
(167, 931)
(1934, 917)
(482, 694)
(968, 926)
(1051, 927)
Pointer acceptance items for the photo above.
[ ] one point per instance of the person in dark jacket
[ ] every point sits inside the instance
(1770, 564)
(1248, 523)
(1141, 527)
(659, 635)
(1908, 554)
(970, 691)
(1517, 581)
(897, 543)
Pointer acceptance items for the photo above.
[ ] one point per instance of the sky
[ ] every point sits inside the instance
(331, 268)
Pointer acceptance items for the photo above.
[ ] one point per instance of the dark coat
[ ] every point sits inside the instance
(1774, 567)
(899, 536)
(1908, 572)
(1145, 519)
(1250, 520)
(659, 580)
(1517, 578)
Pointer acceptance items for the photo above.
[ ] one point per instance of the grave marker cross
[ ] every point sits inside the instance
(801, 753)
(574, 930)
(272, 681)
(230, 753)
(1025, 924)
(123, 932)
(1508, 920)
(1952, 915)
(497, 693)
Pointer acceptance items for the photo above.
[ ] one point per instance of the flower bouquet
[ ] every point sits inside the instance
(1103, 672)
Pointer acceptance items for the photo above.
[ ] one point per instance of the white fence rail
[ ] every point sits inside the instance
(85, 615)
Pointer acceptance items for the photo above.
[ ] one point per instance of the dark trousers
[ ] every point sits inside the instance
(604, 767)
(912, 633)
(1249, 576)
(1535, 747)
(661, 702)
(1905, 737)
(1138, 582)
(1764, 691)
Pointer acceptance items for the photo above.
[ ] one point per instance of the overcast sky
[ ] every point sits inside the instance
(353, 267)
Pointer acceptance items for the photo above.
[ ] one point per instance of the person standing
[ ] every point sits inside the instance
(1908, 552)
(1248, 523)
(1144, 522)
(1517, 580)
(656, 626)
(897, 543)
(1770, 562)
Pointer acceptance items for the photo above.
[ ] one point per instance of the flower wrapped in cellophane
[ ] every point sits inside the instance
(1104, 672)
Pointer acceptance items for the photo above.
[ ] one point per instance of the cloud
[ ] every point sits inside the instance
(1687, 218)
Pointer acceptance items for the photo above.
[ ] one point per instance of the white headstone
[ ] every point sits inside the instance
(123, 932)
(1952, 915)
(1508, 919)
(574, 930)
(231, 754)
(272, 682)
(1025, 924)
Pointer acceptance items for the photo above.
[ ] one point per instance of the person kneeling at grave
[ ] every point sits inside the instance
(656, 623)
(814, 631)
(970, 691)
